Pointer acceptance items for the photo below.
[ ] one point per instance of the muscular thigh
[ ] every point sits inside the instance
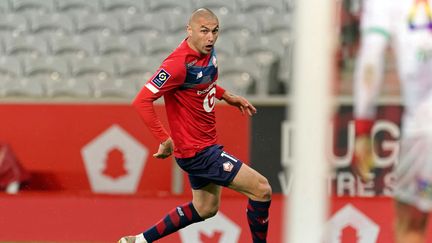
(207, 198)
(248, 181)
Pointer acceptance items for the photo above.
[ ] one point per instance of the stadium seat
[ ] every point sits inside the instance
(263, 49)
(239, 25)
(69, 87)
(123, 6)
(142, 25)
(22, 87)
(157, 59)
(77, 6)
(93, 67)
(268, 53)
(13, 24)
(289, 5)
(162, 44)
(285, 72)
(48, 68)
(2, 49)
(51, 24)
(139, 69)
(119, 46)
(276, 23)
(239, 75)
(114, 88)
(72, 47)
(10, 67)
(176, 23)
(30, 46)
(286, 38)
(226, 47)
(32, 6)
(165, 7)
(220, 7)
(4, 7)
(97, 24)
(261, 6)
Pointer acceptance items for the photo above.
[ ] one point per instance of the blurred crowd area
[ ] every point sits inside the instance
(109, 48)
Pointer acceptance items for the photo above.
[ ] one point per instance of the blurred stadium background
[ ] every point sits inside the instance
(68, 72)
(108, 48)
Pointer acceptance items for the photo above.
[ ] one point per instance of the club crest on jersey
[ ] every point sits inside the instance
(228, 166)
(160, 78)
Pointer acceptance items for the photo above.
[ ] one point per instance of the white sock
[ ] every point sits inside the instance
(140, 238)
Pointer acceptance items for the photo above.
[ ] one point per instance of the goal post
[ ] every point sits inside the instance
(306, 206)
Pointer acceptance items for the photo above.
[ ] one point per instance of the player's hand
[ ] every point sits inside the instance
(241, 103)
(165, 149)
(363, 158)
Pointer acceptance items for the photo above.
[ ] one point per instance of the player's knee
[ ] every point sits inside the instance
(265, 190)
(207, 210)
(211, 212)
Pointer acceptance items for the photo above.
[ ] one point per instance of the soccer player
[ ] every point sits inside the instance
(187, 80)
(407, 25)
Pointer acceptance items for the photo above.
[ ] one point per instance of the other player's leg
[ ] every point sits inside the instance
(410, 224)
(412, 189)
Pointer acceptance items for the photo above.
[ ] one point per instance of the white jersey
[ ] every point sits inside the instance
(407, 26)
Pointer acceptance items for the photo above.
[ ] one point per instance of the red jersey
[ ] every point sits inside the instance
(187, 80)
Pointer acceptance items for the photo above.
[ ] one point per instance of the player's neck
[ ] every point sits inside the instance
(191, 46)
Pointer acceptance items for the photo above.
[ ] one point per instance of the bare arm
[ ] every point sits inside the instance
(240, 102)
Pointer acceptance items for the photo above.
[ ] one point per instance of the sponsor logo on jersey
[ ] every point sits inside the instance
(209, 101)
(160, 79)
(191, 63)
(201, 92)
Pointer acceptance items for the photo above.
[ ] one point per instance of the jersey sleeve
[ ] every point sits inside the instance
(369, 69)
(170, 75)
(219, 92)
(376, 17)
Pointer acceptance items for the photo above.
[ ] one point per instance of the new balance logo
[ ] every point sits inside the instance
(264, 221)
(180, 211)
(199, 75)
